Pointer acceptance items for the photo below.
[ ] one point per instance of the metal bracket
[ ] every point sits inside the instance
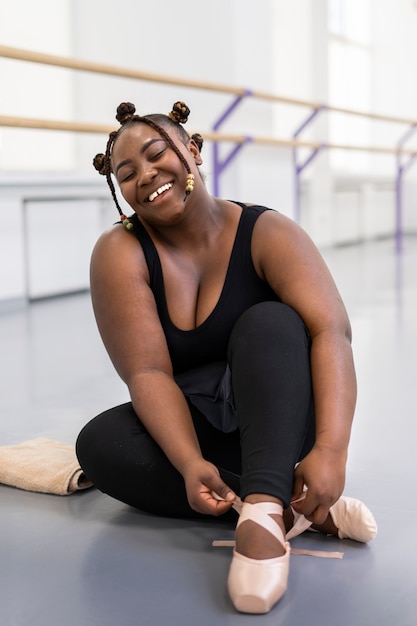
(220, 165)
(402, 167)
(300, 167)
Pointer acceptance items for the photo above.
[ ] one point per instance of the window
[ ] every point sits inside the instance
(349, 58)
(35, 91)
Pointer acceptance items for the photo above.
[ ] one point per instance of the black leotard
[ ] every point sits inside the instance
(242, 288)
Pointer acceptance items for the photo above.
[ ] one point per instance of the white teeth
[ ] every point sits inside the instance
(158, 192)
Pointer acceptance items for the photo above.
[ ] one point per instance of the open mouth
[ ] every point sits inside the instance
(159, 191)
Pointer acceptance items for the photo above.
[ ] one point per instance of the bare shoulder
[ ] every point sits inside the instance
(273, 218)
(113, 238)
(124, 305)
(285, 256)
(277, 236)
(117, 250)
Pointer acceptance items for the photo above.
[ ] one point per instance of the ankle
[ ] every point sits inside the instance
(276, 513)
(328, 527)
(255, 542)
(255, 498)
(252, 539)
(288, 516)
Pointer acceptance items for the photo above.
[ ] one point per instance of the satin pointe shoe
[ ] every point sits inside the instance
(256, 585)
(351, 517)
(353, 520)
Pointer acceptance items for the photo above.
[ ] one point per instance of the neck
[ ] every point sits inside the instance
(201, 224)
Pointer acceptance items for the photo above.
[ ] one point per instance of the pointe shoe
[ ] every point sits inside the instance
(255, 585)
(351, 517)
(353, 520)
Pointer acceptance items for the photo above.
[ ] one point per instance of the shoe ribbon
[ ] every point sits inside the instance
(301, 524)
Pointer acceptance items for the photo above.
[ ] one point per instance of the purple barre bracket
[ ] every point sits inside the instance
(402, 167)
(300, 167)
(220, 165)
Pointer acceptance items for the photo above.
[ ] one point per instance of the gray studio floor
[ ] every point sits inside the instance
(86, 559)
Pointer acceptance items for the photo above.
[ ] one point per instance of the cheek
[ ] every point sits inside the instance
(127, 192)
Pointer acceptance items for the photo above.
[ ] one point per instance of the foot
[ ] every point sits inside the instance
(259, 570)
(254, 541)
(353, 520)
(348, 518)
(328, 527)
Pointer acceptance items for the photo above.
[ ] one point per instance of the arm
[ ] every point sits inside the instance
(128, 322)
(285, 256)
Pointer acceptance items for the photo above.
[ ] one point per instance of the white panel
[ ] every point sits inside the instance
(12, 267)
(346, 217)
(377, 211)
(60, 238)
(410, 201)
(34, 90)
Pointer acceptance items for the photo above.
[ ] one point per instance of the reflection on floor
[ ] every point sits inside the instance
(86, 559)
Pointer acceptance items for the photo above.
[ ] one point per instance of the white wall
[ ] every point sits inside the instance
(225, 42)
(48, 230)
(34, 90)
(394, 90)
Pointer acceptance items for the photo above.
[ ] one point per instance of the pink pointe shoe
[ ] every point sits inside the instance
(351, 517)
(255, 585)
(353, 520)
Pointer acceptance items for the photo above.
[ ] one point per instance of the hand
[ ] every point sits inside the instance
(201, 478)
(322, 472)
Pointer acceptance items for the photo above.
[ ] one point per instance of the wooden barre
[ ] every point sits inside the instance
(87, 66)
(44, 124)
(99, 68)
(84, 127)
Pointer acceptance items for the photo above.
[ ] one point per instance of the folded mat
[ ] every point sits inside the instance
(42, 465)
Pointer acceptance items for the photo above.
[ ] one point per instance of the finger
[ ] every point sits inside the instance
(319, 515)
(306, 504)
(313, 507)
(221, 507)
(213, 505)
(298, 486)
(297, 499)
(221, 491)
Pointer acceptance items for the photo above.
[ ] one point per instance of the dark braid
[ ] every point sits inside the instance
(126, 116)
(102, 164)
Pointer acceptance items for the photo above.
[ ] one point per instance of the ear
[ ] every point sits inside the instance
(193, 148)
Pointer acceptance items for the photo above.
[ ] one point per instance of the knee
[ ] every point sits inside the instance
(103, 433)
(268, 322)
(84, 443)
(87, 447)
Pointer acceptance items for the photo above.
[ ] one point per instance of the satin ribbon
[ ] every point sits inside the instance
(301, 524)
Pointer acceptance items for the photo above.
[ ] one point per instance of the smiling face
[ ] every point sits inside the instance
(151, 177)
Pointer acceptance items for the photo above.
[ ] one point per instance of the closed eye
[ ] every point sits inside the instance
(126, 177)
(157, 155)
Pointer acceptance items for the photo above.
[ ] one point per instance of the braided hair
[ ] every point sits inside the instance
(126, 115)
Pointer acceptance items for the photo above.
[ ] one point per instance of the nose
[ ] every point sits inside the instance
(147, 175)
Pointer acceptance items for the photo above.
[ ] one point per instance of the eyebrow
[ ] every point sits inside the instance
(143, 149)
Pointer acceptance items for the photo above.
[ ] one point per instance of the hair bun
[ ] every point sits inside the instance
(179, 113)
(125, 112)
(100, 163)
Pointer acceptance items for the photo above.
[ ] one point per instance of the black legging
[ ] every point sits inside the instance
(269, 356)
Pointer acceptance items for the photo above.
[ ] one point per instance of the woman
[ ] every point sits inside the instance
(224, 322)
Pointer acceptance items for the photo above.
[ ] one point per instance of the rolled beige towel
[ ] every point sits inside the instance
(42, 465)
